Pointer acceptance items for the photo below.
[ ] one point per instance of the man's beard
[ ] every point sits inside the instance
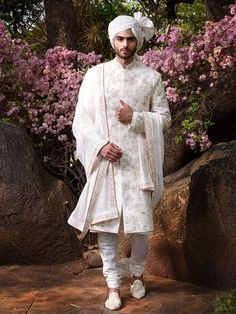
(129, 53)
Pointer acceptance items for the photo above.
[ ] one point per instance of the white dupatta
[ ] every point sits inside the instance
(99, 171)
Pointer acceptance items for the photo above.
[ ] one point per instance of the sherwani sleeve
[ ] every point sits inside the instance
(89, 140)
(158, 106)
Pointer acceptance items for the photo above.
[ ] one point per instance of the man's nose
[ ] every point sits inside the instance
(125, 43)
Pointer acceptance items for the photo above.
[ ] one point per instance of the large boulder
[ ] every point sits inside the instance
(210, 249)
(166, 255)
(195, 234)
(34, 206)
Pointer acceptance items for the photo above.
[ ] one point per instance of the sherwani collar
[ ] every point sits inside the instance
(116, 65)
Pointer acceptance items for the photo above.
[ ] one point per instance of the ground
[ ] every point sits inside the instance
(73, 288)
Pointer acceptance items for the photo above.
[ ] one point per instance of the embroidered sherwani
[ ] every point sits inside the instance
(129, 188)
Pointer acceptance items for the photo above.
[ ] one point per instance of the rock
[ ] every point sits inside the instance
(93, 258)
(195, 235)
(166, 255)
(182, 173)
(176, 155)
(34, 206)
(211, 218)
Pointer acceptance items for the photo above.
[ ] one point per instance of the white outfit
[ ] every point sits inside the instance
(133, 184)
(130, 187)
(108, 244)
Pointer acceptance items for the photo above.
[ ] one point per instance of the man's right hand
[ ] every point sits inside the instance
(111, 152)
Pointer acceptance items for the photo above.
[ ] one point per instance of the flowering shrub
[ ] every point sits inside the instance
(41, 94)
(193, 66)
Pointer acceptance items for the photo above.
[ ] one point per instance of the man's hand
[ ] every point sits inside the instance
(124, 113)
(111, 152)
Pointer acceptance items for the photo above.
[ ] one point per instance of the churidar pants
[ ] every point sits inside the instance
(108, 245)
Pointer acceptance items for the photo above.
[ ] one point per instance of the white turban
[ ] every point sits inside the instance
(141, 26)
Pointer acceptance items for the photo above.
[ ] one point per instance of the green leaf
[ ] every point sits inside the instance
(178, 139)
(6, 120)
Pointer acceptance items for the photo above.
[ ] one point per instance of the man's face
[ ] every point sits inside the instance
(125, 44)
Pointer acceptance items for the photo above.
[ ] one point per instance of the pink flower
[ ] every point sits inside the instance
(205, 142)
(2, 97)
(172, 94)
(184, 78)
(33, 112)
(217, 51)
(13, 110)
(190, 141)
(165, 83)
(62, 138)
(160, 39)
(198, 91)
(227, 62)
(202, 77)
(232, 9)
(214, 74)
(175, 36)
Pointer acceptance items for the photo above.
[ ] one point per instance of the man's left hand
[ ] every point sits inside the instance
(124, 113)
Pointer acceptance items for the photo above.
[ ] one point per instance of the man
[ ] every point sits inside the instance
(121, 114)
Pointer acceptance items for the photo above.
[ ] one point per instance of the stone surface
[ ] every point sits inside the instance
(195, 233)
(166, 256)
(71, 288)
(211, 218)
(93, 258)
(34, 206)
(176, 155)
(182, 173)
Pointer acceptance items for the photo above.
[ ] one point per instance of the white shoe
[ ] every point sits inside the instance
(113, 302)
(137, 289)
